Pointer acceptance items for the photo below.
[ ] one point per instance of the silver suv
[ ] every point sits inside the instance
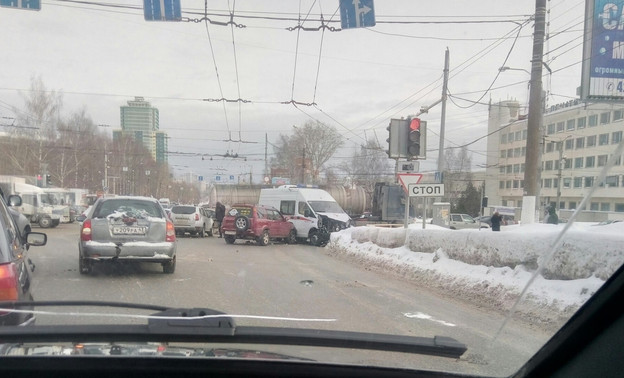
(192, 219)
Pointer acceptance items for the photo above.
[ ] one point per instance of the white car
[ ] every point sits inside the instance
(461, 221)
(192, 219)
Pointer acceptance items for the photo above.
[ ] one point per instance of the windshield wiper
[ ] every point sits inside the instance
(202, 324)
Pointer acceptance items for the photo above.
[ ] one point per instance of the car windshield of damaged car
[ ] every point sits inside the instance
(326, 207)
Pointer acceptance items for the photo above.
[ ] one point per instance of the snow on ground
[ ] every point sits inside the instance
(490, 268)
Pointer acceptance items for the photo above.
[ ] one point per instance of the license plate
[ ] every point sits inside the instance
(230, 232)
(129, 230)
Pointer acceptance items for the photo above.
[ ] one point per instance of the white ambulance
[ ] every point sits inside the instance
(314, 212)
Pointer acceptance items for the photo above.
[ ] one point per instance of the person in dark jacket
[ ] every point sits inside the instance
(552, 216)
(496, 219)
(219, 215)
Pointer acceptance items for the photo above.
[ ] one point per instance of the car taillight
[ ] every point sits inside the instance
(170, 235)
(8, 282)
(85, 232)
(196, 217)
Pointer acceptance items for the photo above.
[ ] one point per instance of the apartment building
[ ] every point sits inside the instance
(577, 141)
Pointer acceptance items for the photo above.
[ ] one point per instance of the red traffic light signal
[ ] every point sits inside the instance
(413, 146)
(415, 124)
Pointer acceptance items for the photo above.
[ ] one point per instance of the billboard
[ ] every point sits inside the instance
(603, 51)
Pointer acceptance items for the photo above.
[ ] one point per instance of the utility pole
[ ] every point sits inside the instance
(443, 113)
(534, 123)
(303, 166)
(559, 183)
(105, 184)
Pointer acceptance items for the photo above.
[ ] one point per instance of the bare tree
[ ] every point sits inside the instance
(39, 121)
(368, 166)
(303, 154)
(457, 173)
(77, 137)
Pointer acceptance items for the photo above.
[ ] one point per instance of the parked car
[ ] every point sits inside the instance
(257, 222)
(15, 278)
(127, 229)
(192, 219)
(461, 221)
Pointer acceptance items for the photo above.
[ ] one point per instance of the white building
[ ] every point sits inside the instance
(577, 140)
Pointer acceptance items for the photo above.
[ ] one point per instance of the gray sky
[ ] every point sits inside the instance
(100, 57)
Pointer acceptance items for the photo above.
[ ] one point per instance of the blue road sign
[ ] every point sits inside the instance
(200, 178)
(162, 10)
(357, 13)
(22, 4)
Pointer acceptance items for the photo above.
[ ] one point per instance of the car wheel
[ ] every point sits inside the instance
(45, 222)
(169, 267)
(230, 239)
(264, 238)
(292, 237)
(314, 238)
(242, 223)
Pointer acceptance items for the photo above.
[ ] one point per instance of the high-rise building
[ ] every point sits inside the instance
(140, 121)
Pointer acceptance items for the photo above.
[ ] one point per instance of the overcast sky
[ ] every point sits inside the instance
(101, 56)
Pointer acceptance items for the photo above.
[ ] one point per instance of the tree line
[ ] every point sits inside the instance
(75, 153)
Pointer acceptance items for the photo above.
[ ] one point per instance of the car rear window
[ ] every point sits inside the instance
(244, 211)
(183, 209)
(132, 207)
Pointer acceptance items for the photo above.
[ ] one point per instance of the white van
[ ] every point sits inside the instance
(314, 212)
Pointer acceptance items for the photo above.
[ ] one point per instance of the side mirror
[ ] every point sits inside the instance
(14, 200)
(81, 218)
(36, 239)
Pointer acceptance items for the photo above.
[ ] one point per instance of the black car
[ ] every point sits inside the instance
(15, 270)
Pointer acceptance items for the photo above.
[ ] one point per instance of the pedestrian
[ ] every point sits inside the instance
(552, 216)
(496, 221)
(219, 215)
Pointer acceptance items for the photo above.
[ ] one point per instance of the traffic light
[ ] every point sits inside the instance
(413, 144)
(397, 145)
(389, 140)
(48, 180)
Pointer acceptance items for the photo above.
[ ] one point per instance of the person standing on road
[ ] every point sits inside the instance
(219, 215)
(496, 221)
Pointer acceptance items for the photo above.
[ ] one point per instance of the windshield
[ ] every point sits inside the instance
(326, 207)
(481, 197)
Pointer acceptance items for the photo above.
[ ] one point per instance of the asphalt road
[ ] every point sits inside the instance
(280, 280)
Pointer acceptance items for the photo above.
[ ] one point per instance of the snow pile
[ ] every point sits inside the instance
(492, 268)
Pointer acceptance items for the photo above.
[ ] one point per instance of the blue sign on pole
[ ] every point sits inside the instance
(21, 4)
(162, 10)
(357, 13)
(200, 178)
(603, 55)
